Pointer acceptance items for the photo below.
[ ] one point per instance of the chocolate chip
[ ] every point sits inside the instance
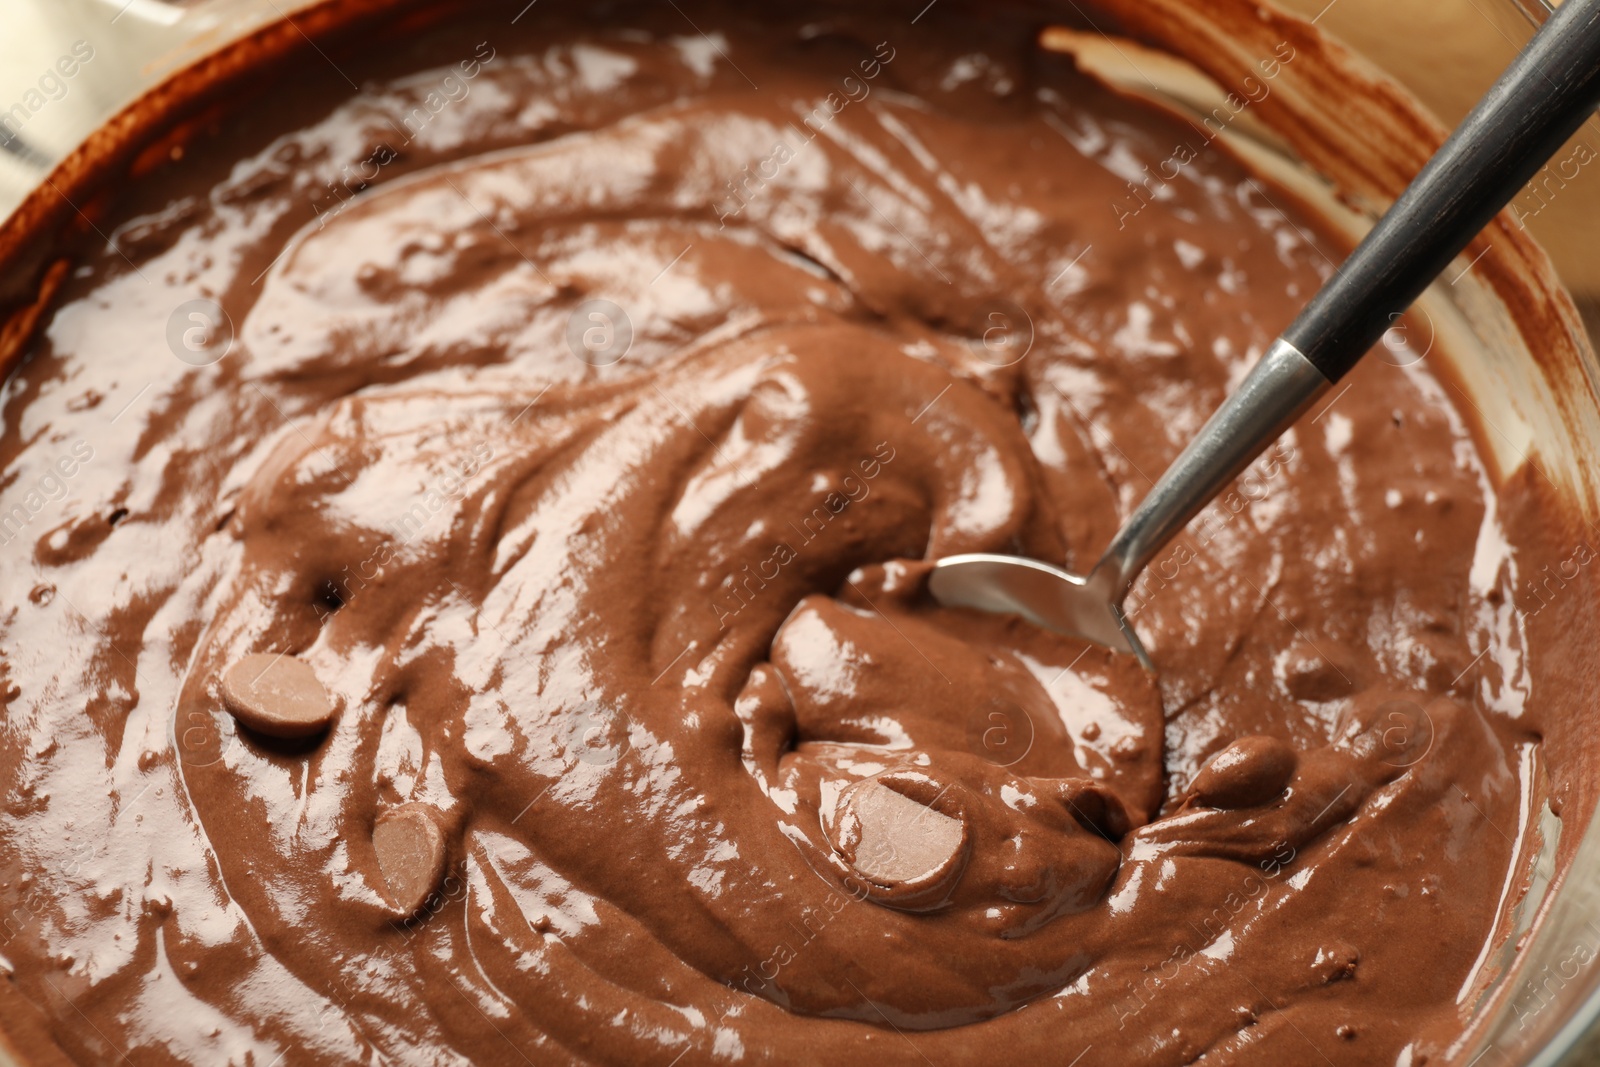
(893, 841)
(277, 695)
(1248, 772)
(410, 848)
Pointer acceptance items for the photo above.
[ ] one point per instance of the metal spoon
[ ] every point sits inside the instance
(1538, 103)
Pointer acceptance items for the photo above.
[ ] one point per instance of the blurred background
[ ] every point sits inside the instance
(1448, 52)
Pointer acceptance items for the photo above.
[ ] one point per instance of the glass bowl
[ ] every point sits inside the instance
(1505, 317)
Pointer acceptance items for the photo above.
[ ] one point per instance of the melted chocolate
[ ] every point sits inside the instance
(587, 399)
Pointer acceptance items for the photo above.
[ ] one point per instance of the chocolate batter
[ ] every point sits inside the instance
(499, 636)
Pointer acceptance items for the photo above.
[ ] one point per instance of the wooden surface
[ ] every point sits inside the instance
(1448, 52)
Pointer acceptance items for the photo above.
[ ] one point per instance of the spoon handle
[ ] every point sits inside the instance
(1540, 101)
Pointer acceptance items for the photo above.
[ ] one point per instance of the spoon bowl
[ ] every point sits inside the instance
(1046, 596)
